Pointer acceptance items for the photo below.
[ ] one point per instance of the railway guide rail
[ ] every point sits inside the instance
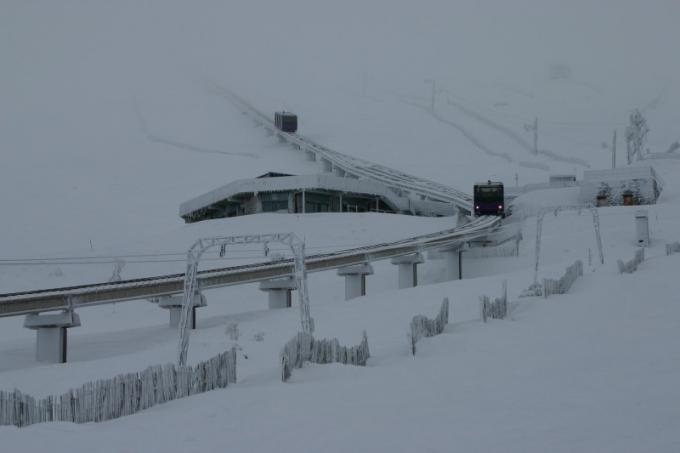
(73, 297)
(70, 298)
(355, 166)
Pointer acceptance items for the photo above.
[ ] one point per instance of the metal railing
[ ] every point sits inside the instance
(353, 165)
(68, 298)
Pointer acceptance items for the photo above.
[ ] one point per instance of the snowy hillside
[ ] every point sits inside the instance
(109, 119)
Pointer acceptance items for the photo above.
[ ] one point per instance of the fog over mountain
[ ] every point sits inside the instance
(112, 113)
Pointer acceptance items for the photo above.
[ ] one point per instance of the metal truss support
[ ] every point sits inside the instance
(197, 250)
(557, 210)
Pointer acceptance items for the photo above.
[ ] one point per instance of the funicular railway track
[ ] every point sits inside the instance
(144, 288)
(66, 298)
(353, 165)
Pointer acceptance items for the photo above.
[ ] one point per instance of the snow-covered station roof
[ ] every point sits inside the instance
(620, 174)
(301, 182)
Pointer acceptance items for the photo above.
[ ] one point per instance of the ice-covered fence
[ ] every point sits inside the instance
(631, 266)
(561, 286)
(673, 248)
(421, 326)
(498, 309)
(305, 348)
(123, 395)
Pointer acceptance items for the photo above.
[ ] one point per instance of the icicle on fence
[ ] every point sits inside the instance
(123, 395)
(304, 348)
(498, 309)
(421, 326)
(562, 286)
(673, 248)
(631, 266)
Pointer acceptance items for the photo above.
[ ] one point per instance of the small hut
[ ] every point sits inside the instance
(620, 186)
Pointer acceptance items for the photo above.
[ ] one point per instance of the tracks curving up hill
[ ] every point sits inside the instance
(69, 298)
(351, 165)
(66, 298)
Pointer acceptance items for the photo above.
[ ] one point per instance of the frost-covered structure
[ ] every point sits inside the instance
(305, 348)
(672, 248)
(496, 309)
(629, 267)
(421, 326)
(620, 186)
(276, 192)
(562, 286)
(123, 395)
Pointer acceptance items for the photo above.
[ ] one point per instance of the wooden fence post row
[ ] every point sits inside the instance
(672, 248)
(631, 266)
(421, 326)
(304, 348)
(562, 286)
(498, 309)
(123, 395)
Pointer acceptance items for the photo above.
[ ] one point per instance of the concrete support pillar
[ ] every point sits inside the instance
(326, 165)
(310, 156)
(279, 290)
(355, 279)
(291, 202)
(454, 263)
(408, 269)
(174, 305)
(52, 336)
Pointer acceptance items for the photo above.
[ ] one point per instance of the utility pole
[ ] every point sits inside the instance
(434, 89)
(533, 128)
(614, 150)
(536, 136)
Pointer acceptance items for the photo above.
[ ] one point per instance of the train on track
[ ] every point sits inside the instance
(489, 199)
(286, 121)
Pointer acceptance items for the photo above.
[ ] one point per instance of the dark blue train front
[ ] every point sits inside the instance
(489, 199)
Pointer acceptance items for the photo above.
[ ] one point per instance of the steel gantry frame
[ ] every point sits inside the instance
(191, 287)
(556, 211)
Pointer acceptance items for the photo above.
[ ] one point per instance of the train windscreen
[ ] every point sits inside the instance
(490, 194)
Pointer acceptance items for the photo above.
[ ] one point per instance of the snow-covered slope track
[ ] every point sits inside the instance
(144, 288)
(350, 166)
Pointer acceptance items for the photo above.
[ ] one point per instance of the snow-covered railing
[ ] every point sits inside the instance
(672, 248)
(421, 326)
(664, 155)
(498, 309)
(123, 395)
(304, 348)
(561, 286)
(37, 301)
(629, 267)
(352, 165)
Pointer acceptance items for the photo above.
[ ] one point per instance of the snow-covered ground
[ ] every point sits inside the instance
(108, 123)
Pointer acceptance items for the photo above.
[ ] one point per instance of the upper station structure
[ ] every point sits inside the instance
(279, 192)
